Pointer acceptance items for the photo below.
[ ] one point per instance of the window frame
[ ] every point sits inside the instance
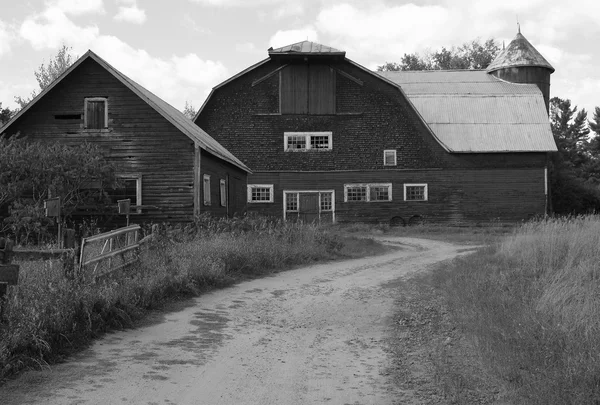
(206, 197)
(223, 192)
(368, 192)
(386, 151)
(252, 186)
(425, 191)
(85, 114)
(138, 188)
(307, 139)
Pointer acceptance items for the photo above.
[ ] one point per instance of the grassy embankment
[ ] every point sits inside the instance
(530, 306)
(47, 315)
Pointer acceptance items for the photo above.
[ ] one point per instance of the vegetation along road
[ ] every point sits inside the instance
(317, 334)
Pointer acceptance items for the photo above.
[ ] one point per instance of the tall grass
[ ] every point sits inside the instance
(532, 306)
(47, 314)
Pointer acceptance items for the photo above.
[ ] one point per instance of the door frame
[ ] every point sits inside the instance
(285, 192)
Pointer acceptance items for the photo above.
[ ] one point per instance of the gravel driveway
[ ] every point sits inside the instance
(307, 336)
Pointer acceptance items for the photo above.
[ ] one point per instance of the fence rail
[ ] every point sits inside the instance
(108, 252)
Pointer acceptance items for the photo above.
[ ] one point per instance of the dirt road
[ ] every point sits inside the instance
(307, 336)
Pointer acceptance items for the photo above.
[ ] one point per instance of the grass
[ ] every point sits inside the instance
(48, 316)
(530, 305)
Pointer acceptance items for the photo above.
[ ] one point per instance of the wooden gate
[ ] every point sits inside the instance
(108, 252)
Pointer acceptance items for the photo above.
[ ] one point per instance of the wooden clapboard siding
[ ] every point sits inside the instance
(321, 89)
(294, 89)
(455, 196)
(220, 170)
(138, 139)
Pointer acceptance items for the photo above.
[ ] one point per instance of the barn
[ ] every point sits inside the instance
(329, 140)
(171, 169)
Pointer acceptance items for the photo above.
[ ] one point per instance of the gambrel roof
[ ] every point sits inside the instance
(170, 113)
(471, 111)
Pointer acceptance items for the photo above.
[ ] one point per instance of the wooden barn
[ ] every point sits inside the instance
(331, 140)
(170, 167)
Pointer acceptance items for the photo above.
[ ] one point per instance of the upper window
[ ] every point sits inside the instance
(415, 192)
(389, 157)
(206, 189)
(260, 193)
(368, 192)
(302, 141)
(307, 89)
(96, 113)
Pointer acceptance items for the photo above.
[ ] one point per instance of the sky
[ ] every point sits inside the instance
(181, 49)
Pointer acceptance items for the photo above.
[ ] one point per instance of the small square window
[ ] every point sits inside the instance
(415, 192)
(260, 193)
(356, 193)
(379, 193)
(131, 188)
(95, 114)
(223, 192)
(206, 189)
(389, 157)
(291, 202)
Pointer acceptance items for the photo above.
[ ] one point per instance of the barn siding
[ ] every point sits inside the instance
(236, 187)
(139, 139)
(455, 196)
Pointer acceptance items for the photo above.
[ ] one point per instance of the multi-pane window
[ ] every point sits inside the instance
(415, 192)
(389, 157)
(368, 192)
(260, 193)
(95, 113)
(206, 189)
(326, 201)
(223, 192)
(303, 141)
(291, 202)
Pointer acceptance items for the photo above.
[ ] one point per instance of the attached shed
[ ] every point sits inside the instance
(172, 169)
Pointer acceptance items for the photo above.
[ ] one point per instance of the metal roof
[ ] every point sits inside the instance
(308, 48)
(518, 53)
(472, 111)
(170, 113)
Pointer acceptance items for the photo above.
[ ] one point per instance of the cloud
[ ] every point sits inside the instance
(131, 14)
(246, 47)
(237, 3)
(5, 38)
(52, 28)
(174, 79)
(78, 7)
(191, 24)
(283, 38)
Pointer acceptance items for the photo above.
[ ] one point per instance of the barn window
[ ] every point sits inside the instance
(95, 113)
(415, 192)
(326, 199)
(130, 188)
(389, 157)
(303, 141)
(307, 89)
(368, 192)
(206, 189)
(223, 192)
(260, 193)
(291, 202)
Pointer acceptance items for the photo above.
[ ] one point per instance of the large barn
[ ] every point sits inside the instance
(328, 139)
(171, 169)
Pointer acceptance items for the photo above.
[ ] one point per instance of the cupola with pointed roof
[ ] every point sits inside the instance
(520, 62)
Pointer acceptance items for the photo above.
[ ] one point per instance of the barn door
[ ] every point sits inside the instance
(309, 207)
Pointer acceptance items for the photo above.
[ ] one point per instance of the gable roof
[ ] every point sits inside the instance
(519, 53)
(471, 111)
(170, 113)
(306, 48)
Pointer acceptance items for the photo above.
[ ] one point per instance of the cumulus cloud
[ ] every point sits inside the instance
(283, 38)
(5, 38)
(52, 28)
(131, 14)
(78, 7)
(174, 79)
(237, 3)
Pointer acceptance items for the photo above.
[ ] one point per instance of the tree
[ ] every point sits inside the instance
(33, 171)
(470, 55)
(189, 110)
(5, 114)
(45, 75)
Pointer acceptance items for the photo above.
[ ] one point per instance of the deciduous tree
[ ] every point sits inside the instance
(189, 110)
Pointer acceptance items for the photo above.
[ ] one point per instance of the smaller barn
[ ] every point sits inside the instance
(172, 170)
